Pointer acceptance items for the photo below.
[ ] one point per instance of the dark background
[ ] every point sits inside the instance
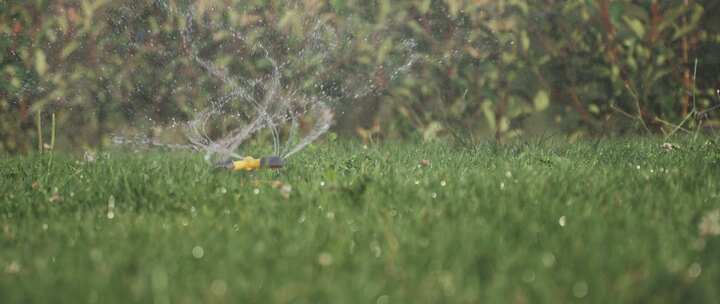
(497, 69)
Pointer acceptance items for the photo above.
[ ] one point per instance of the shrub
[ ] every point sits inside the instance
(506, 67)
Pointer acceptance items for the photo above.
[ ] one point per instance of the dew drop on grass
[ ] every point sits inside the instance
(528, 276)
(256, 191)
(375, 248)
(548, 260)
(694, 271)
(330, 215)
(111, 207)
(45, 226)
(443, 183)
(198, 252)
(322, 183)
(325, 259)
(433, 195)
(580, 289)
(352, 246)
(13, 268)
(562, 221)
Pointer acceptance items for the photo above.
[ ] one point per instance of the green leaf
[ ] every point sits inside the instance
(541, 101)
(636, 26)
(424, 6)
(69, 49)
(525, 41)
(616, 11)
(692, 25)
(431, 131)
(41, 65)
(489, 112)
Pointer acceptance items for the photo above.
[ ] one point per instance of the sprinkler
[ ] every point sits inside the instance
(250, 164)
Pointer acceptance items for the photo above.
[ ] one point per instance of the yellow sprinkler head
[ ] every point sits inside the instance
(249, 163)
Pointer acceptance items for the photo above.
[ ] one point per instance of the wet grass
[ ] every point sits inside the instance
(598, 222)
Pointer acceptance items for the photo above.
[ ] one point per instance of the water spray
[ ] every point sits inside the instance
(294, 89)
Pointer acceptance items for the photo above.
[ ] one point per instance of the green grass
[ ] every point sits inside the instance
(597, 222)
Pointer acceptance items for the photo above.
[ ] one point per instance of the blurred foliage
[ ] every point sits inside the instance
(500, 67)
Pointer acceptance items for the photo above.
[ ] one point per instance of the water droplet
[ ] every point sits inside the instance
(433, 195)
(580, 289)
(285, 191)
(110, 215)
(322, 184)
(256, 191)
(198, 252)
(375, 248)
(13, 268)
(694, 271)
(561, 221)
(528, 276)
(330, 215)
(45, 226)
(325, 259)
(548, 260)
(443, 183)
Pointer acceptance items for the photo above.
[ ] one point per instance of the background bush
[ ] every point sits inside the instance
(500, 68)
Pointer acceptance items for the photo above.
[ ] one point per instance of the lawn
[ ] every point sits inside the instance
(609, 221)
